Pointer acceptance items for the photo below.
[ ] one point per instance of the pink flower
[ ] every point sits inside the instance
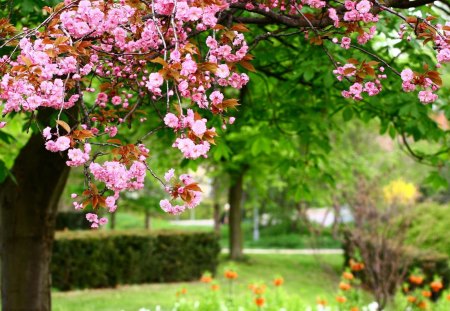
(199, 127)
(427, 97)
(407, 75)
(333, 16)
(111, 203)
(171, 120)
(103, 221)
(61, 144)
(444, 55)
(77, 157)
(169, 175)
(92, 217)
(2, 124)
(188, 66)
(231, 120)
(223, 71)
(116, 100)
(216, 97)
(408, 86)
(364, 6)
(47, 133)
(345, 42)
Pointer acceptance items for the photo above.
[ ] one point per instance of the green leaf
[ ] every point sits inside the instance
(3, 171)
(221, 151)
(347, 114)
(308, 75)
(7, 138)
(436, 181)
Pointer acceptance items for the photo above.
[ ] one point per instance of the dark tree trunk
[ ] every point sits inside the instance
(235, 215)
(112, 221)
(27, 217)
(216, 205)
(216, 217)
(148, 220)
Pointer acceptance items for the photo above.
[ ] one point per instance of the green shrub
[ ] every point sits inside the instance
(430, 263)
(94, 259)
(71, 221)
(429, 229)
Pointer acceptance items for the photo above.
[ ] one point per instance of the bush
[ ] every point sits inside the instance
(94, 259)
(430, 263)
(429, 229)
(71, 221)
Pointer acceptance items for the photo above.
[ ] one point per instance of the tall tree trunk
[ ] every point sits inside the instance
(112, 221)
(216, 216)
(148, 220)
(235, 215)
(27, 217)
(216, 205)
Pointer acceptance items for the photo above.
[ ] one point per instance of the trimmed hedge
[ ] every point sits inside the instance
(94, 259)
(71, 221)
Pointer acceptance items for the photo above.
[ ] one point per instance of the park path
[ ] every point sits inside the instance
(309, 251)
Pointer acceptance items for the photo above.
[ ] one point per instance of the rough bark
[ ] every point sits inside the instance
(27, 215)
(235, 215)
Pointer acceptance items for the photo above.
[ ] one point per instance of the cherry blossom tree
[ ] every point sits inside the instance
(92, 69)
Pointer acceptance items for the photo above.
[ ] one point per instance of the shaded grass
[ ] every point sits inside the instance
(306, 276)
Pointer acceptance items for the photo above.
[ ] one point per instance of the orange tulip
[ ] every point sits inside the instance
(259, 290)
(278, 281)
(206, 279)
(356, 266)
(348, 275)
(436, 286)
(422, 305)
(426, 293)
(344, 286)
(260, 301)
(215, 287)
(354, 309)
(321, 302)
(231, 275)
(341, 299)
(415, 279)
(411, 299)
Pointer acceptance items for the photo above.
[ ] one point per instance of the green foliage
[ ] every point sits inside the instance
(429, 229)
(105, 259)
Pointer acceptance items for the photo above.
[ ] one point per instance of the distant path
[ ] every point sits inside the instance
(309, 251)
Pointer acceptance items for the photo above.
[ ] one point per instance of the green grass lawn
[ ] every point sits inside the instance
(306, 276)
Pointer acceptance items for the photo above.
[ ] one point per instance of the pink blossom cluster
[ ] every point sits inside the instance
(197, 126)
(411, 80)
(118, 177)
(359, 11)
(77, 156)
(95, 221)
(177, 190)
(358, 88)
(90, 20)
(442, 43)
